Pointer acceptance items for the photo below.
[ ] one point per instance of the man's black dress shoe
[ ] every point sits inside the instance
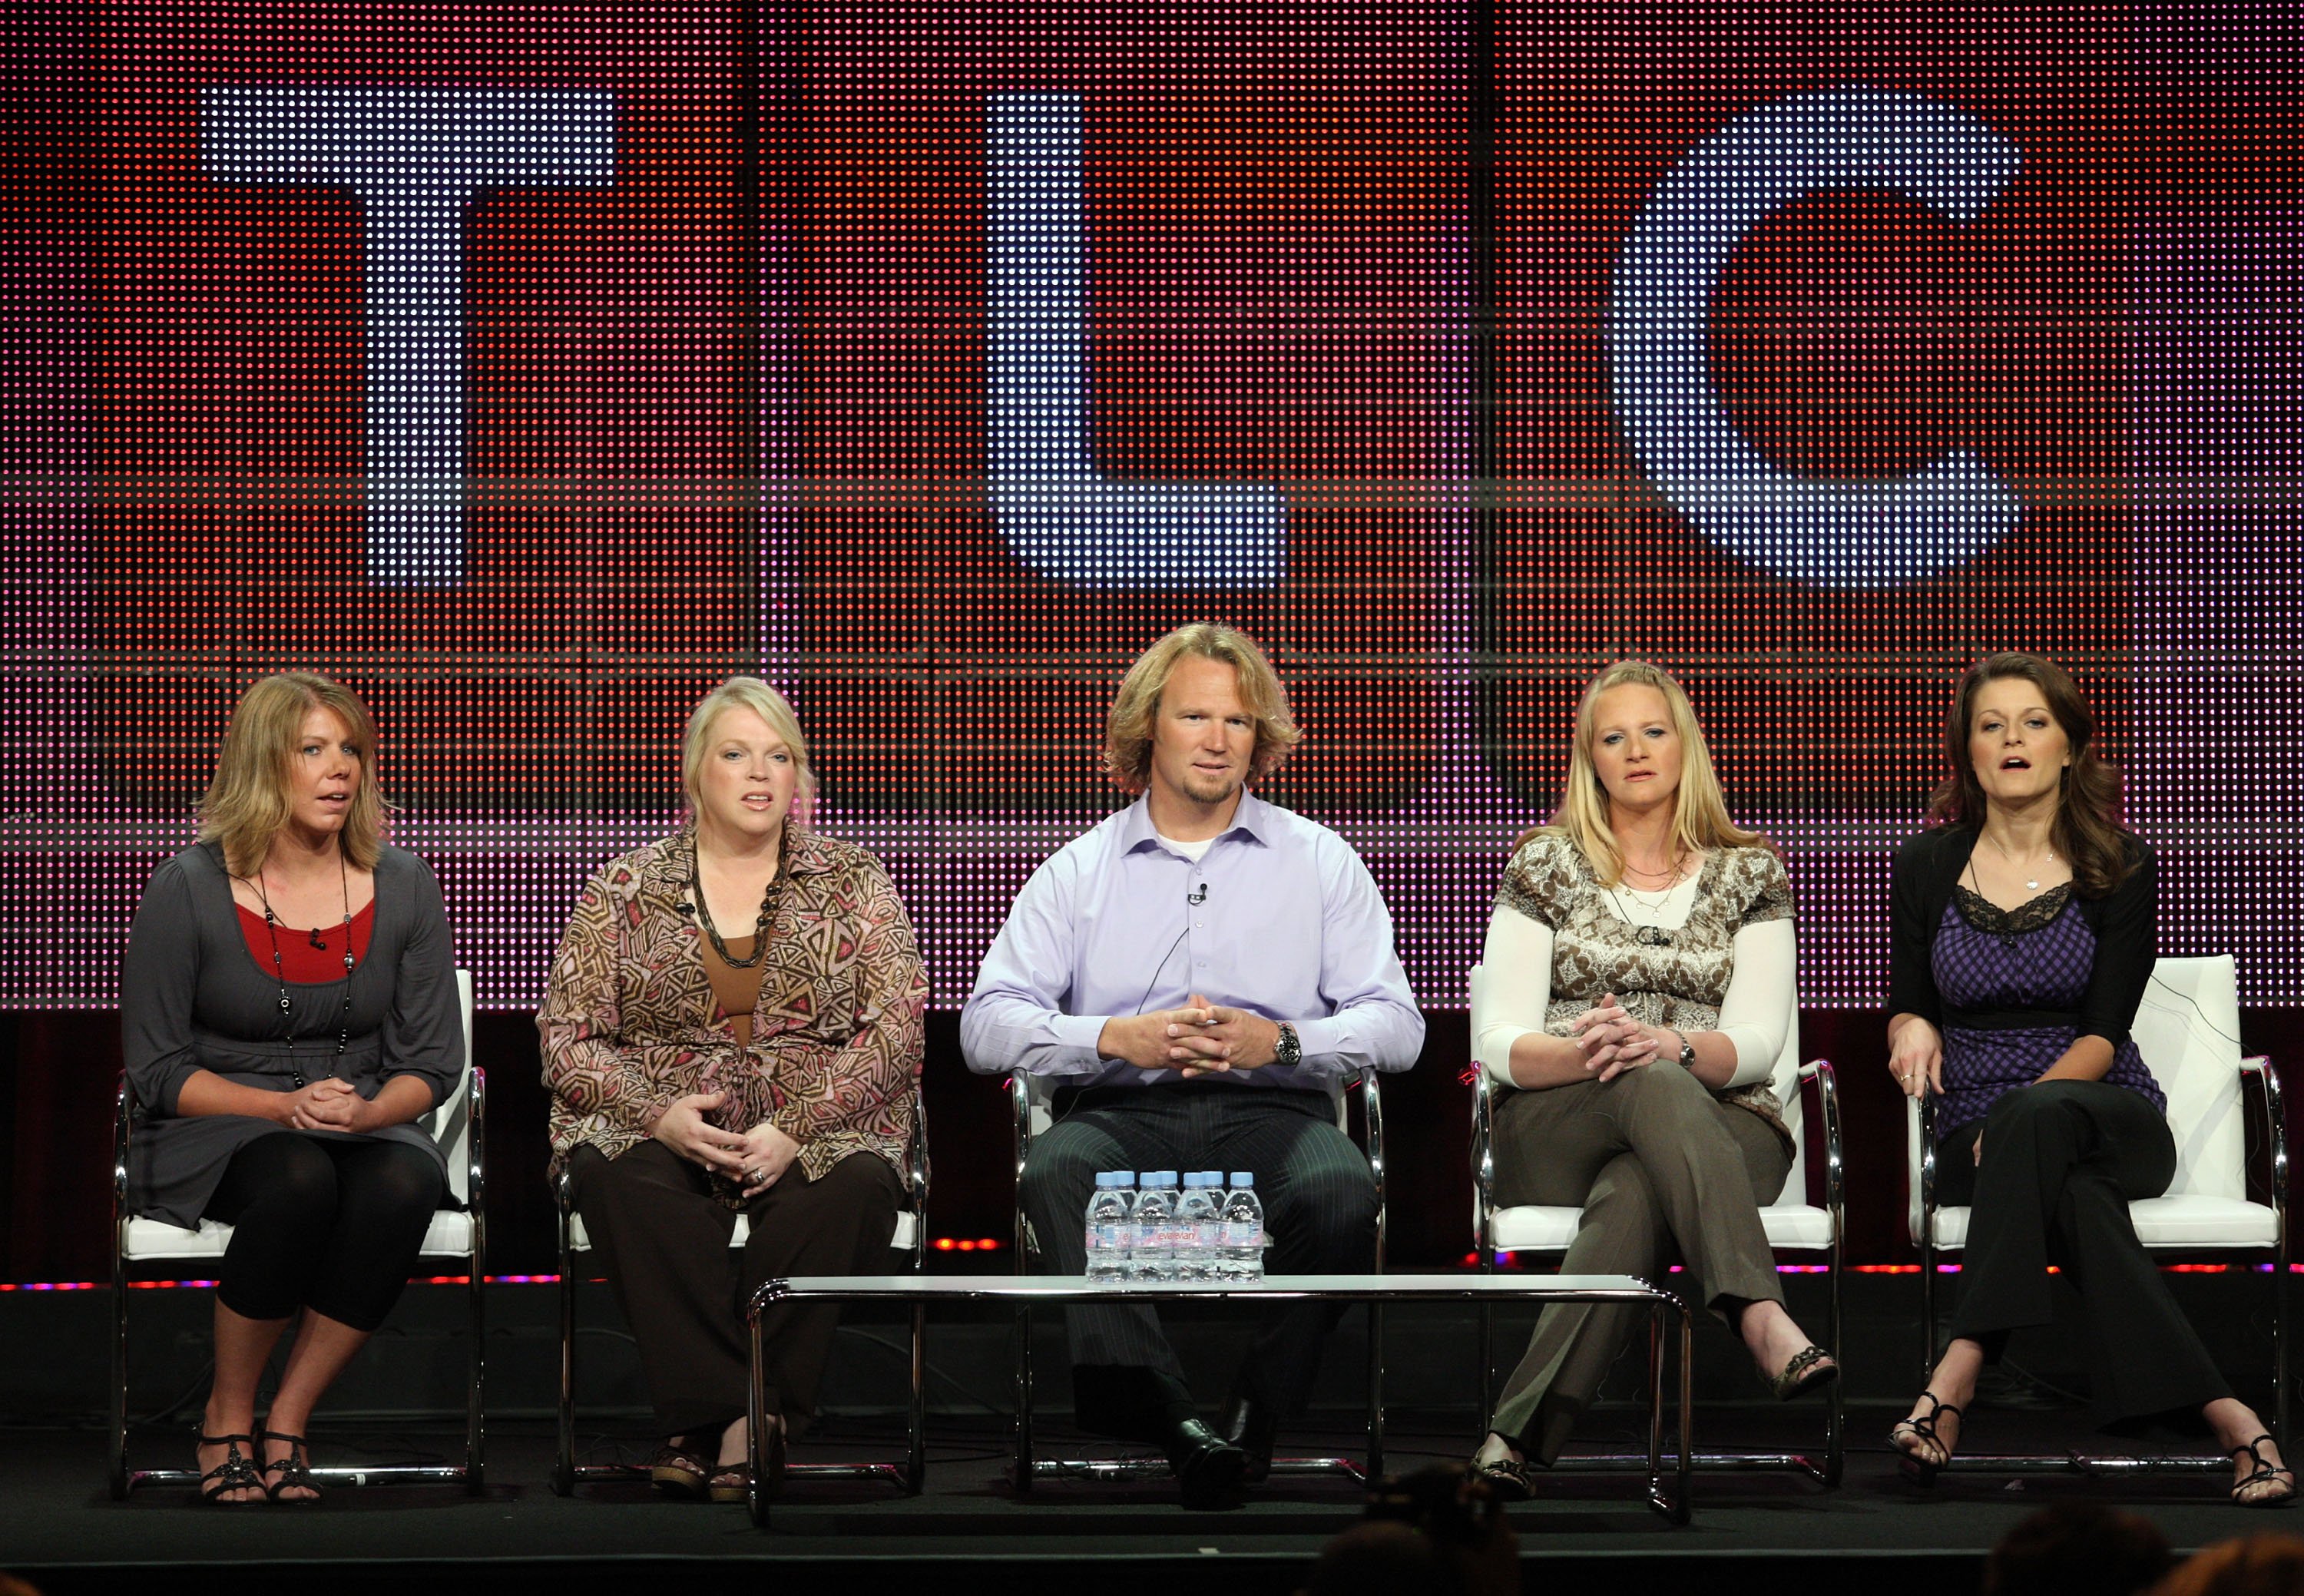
(1207, 1468)
(1252, 1425)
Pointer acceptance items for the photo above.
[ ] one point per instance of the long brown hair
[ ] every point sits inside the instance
(246, 803)
(2087, 829)
(1699, 819)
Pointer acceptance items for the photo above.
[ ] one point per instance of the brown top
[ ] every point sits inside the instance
(736, 992)
(633, 1019)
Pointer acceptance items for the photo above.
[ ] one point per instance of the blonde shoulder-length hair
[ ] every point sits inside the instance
(1127, 729)
(747, 692)
(1699, 811)
(248, 804)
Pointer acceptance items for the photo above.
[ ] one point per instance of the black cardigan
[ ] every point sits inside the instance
(1927, 868)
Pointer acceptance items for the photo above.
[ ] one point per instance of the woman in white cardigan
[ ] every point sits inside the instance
(1638, 979)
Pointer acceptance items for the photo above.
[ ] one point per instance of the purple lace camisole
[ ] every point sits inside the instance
(2038, 956)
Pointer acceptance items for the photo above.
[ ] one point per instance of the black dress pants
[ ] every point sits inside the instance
(663, 1243)
(2062, 1161)
(328, 1223)
(1319, 1211)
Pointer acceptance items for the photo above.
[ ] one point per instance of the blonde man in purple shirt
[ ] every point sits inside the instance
(1197, 971)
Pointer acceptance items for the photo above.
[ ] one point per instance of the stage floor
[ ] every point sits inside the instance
(59, 1528)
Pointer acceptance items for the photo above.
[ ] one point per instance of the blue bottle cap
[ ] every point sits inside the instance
(1242, 1177)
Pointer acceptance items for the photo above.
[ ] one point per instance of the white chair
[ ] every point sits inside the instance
(910, 1236)
(2187, 1030)
(1031, 1104)
(1792, 1222)
(458, 1235)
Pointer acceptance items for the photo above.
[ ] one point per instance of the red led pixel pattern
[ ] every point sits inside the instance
(930, 359)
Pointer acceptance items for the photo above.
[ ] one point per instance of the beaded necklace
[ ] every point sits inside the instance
(279, 970)
(767, 905)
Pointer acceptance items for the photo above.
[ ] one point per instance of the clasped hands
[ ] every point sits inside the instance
(1200, 1039)
(329, 1105)
(1613, 1041)
(754, 1159)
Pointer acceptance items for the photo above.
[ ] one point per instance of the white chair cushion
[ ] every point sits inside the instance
(2175, 1223)
(152, 1240)
(1797, 1227)
(1793, 1227)
(907, 1227)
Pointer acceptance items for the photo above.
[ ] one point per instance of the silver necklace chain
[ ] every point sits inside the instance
(280, 968)
(2000, 848)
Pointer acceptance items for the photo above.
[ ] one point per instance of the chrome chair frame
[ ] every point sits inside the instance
(1816, 1074)
(566, 1472)
(2274, 1129)
(473, 1096)
(1027, 1092)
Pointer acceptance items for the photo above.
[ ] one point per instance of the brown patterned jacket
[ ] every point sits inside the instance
(631, 1026)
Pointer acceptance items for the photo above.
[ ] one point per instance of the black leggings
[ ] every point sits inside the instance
(322, 1223)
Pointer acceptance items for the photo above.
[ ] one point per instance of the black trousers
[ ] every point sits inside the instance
(664, 1243)
(2062, 1161)
(322, 1223)
(1319, 1211)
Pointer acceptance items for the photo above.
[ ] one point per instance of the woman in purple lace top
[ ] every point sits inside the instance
(2022, 940)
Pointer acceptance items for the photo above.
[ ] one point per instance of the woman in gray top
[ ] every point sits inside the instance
(288, 1010)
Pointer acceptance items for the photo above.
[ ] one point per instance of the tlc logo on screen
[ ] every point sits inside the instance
(416, 158)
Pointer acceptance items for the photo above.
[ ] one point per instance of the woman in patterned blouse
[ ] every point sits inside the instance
(733, 1027)
(1636, 992)
(2023, 938)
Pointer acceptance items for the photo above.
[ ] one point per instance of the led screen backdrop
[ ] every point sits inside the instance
(533, 367)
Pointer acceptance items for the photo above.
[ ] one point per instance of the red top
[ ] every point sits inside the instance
(300, 960)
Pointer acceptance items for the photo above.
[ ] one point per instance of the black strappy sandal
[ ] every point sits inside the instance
(235, 1472)
(2263, 1472)
(292, 1469)
(1918, 1470)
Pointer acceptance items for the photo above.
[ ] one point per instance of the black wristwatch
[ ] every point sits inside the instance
(1288, 1051)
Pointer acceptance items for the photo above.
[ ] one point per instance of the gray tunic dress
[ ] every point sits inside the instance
(192, 996)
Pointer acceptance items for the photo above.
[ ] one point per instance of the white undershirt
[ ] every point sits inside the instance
(1195, 852)
(1517, 983)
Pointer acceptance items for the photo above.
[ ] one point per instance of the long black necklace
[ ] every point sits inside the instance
(279, 970)
(767, 906)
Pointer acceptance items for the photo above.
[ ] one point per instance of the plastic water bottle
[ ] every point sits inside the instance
(1198, 1218)
(1242, 1256)
(1111, 1238)
(1153, 1259)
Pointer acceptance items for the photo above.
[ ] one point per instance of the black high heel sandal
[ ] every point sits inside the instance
(2263, 1471)
(235, 1472)
(292, 1469)
(1921, 1470)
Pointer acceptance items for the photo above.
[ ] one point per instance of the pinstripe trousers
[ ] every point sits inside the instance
(1319, 1210)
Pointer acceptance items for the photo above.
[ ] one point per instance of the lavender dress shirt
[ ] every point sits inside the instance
(1290, 926)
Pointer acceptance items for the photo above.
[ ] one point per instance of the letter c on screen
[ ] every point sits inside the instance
(1836, 534)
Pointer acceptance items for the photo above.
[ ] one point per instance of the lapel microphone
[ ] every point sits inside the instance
(1197, 898)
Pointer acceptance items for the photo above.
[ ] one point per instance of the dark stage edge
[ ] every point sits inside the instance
(59, 1529)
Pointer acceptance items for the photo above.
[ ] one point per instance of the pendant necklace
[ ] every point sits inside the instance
(1650, 933)
(279, 970)
(2032, 885)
